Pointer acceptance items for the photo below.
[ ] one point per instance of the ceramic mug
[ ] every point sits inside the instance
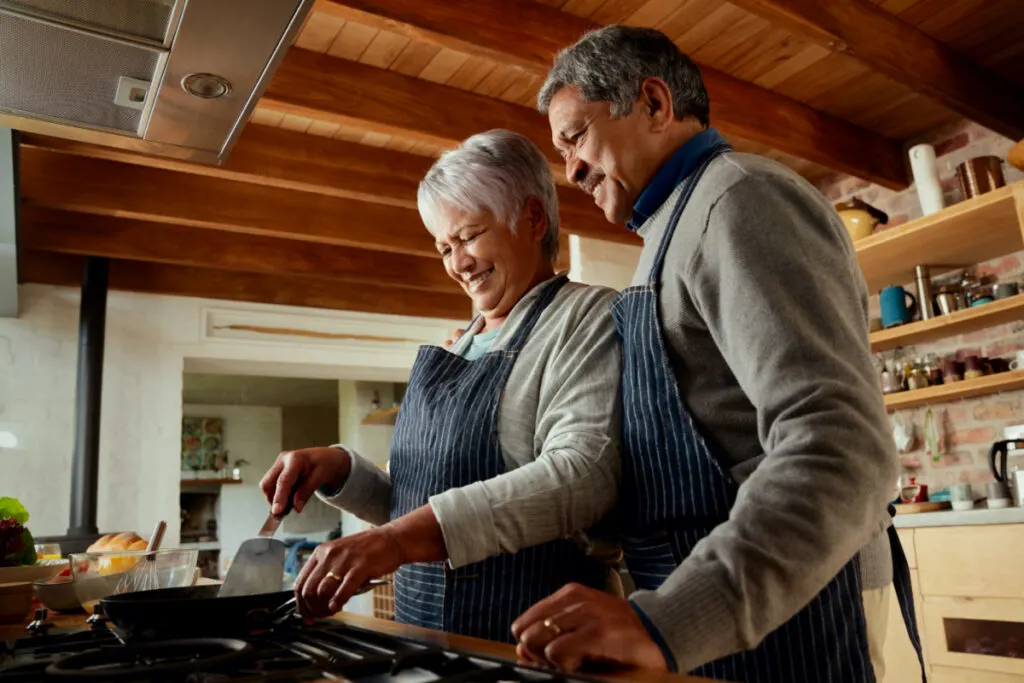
(998, 494)
(1018, 362)
(962, 496)
(975, 367)
(952, 370)
(893, 303)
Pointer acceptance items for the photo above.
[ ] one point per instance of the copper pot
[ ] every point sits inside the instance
(980, 175)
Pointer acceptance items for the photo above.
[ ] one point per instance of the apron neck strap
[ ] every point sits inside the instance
(545, 297)
(689, 184)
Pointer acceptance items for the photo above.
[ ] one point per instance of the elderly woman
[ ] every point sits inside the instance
(504, 449)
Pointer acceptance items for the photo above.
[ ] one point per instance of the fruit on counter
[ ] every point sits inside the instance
(17, 548)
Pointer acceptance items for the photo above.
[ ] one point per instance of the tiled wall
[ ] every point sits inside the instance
(970, 426)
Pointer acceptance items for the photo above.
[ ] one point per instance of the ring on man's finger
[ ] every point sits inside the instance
(332, 575)
(550, 625)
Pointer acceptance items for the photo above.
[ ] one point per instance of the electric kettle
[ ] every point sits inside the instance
(1014, 479)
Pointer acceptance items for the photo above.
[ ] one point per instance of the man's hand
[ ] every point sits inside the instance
(309, 468)
(337, 569)
(579, 624)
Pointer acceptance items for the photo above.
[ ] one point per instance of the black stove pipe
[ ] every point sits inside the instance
(82, 530)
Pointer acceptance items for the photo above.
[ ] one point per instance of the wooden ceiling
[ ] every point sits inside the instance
(316, 205)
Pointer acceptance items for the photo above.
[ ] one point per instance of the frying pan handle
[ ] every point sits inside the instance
(284, 612)
(263, 618)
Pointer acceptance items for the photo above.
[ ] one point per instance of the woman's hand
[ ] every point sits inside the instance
(307, 469)
(337, 569)
(454, 338)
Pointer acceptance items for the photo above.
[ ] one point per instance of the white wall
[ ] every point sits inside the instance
(302, 427)
(371, 441)
(597, 262)
(150, 340)
(253, 433)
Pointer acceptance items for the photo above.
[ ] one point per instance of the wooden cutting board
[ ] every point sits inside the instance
(911, 508)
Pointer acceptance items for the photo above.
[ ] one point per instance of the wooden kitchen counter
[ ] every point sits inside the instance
(484, 647)
(488, 647)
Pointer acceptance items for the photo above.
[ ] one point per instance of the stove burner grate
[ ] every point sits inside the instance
(170, 659)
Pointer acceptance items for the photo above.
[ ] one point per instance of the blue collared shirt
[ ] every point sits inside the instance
(672, 172)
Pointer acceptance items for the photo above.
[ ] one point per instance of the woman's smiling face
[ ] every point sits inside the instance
(493, 264)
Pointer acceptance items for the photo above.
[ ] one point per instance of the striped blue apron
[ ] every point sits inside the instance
(446, 436)
(676, 488)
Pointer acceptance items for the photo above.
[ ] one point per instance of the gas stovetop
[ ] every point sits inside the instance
(327, 650)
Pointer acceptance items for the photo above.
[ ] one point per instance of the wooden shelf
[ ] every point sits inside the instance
(968, 388)
(968, 320)
(962, 235)
(197, 483)
(382, 417)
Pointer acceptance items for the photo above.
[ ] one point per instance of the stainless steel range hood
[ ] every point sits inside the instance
(173, 78)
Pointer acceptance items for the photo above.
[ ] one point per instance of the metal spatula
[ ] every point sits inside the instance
(258, 566)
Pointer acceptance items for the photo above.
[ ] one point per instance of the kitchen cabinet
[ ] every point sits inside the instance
(969, 600)
(983, 634)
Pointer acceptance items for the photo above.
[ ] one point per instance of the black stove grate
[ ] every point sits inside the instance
(327, 650)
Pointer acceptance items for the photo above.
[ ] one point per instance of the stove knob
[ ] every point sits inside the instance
(99, 618)
(39, 625)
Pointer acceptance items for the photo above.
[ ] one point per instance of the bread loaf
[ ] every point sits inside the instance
(126, 540)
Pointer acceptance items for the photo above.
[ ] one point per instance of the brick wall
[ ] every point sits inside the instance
(968, 427)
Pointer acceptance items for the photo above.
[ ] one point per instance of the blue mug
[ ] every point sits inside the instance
(893, 302)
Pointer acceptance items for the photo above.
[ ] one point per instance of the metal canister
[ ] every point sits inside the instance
(980, 175)
(948, 298)
(924, 292)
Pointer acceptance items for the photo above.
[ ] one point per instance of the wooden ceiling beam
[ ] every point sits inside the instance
(341, 91)
(295, 161)
(155, 278)
(483, 28)
(276, 157)
(64, 232)
(904, 53)
(98, 186)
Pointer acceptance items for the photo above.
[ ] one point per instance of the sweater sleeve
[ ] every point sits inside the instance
(573, 482)
(366, 492)
(777, 284)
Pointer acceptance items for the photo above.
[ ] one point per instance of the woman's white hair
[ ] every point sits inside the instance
(496, 171)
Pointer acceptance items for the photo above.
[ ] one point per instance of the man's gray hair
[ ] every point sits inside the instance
(496, 171)
(610, 64)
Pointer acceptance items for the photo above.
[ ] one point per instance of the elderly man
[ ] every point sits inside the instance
(757, 461)
(505, 445)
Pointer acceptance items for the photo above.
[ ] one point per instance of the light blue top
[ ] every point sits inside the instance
(480, 344)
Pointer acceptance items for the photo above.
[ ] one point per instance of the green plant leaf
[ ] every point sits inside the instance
(27, 555)
(10, 507)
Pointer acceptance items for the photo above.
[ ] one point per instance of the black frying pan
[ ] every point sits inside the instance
(194, 611)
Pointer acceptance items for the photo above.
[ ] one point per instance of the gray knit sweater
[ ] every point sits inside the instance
(765, 313)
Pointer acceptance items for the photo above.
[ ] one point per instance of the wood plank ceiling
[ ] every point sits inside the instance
(316, 205)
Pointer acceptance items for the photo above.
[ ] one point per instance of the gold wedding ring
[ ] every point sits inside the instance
(553, 627)
(332, 575)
